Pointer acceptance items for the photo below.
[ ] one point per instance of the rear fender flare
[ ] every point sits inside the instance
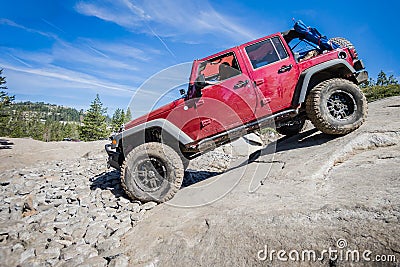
(306, 76)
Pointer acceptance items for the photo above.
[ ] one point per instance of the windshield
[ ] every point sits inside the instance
(160, 89)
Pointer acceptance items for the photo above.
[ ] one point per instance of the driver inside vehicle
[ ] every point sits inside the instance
(226, 71)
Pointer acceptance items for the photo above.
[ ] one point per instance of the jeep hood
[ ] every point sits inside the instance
(161, 112)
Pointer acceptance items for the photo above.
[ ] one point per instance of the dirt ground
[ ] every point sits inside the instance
(20, 152)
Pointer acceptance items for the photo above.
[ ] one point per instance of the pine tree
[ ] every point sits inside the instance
(392, 80)
(94, 123)
(5, 100)
(382, 79)
(115, 119)
(128, 115)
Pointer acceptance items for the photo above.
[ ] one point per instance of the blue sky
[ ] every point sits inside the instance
(64, 52)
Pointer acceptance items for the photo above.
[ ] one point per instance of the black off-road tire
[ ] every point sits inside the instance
(336, 106)
(293, 129)
(152, 172)
(343, 42)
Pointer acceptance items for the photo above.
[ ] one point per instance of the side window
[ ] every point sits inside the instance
(279, 47)
(266, 52)
(220, 68)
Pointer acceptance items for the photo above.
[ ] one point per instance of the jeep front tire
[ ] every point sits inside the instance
(152, 172)
(336, 106)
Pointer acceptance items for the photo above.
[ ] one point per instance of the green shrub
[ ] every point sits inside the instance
(376, 92)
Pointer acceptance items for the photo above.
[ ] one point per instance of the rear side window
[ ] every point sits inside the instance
(266, 52)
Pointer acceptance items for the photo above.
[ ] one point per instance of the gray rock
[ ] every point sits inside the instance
(79, 231)
(48, 216)
(17, 247)
(48, 253)
(134, 207)
(53, 262)
(111, 204)
(23, 191)
(28, 253)
(124, 217)
(53, 244)
(62, 217)
(32, 262)
(96, 261)
(107, 195)
(68, 252)
(148, 205)
(120, 261)
(124, 227)
(77, 260)
(113, 225)
(123, 201)
(86, 250)
(25, 235)
(108, 244)
(93, 231)
(137, 216)
(65, 243)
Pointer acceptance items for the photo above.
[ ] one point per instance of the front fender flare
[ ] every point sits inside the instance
(135, 136)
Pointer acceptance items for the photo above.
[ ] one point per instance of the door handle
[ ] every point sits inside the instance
(240, 84)
(205, 122)
(285, 68)
(259, 81)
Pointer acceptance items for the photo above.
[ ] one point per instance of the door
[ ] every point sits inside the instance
(229, 99)
(273, 70)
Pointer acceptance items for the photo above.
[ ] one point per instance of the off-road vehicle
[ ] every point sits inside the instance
(287, 78)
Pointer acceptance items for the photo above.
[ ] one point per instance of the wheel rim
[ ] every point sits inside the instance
(150, 173)
(341, 105)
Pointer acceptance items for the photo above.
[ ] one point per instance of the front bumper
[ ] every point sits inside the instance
(113, 157)
(361, 76)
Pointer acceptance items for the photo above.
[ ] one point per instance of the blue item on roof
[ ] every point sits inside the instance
(314, 36)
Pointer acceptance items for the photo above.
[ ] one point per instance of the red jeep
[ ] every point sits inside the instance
(284, 77)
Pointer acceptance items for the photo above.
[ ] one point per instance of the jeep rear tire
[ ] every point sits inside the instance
(152, 172)
(336, 106)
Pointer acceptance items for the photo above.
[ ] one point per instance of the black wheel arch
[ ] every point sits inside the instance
(337, 68)
(154, 132)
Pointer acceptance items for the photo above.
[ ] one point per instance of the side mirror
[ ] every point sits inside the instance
(182, 91)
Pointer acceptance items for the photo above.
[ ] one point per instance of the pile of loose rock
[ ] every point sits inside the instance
(74, 212)
(65, 213)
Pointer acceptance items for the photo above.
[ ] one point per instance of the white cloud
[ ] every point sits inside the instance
(113, 11)
(87, 62)
(16, 25)
(122, 50)
(187, 19)
(76, 78)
